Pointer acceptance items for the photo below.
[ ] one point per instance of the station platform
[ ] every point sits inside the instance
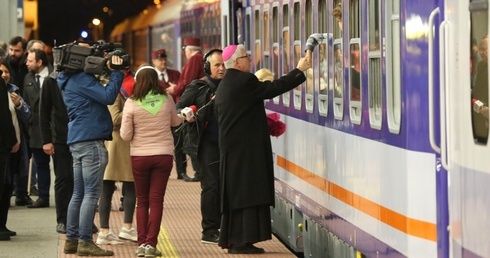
(180, 232)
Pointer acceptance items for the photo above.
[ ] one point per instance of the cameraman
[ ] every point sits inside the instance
(90, 125)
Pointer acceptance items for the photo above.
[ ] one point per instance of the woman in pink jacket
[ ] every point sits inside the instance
(147, 118)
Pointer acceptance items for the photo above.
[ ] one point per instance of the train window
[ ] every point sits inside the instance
(337, 14)
(297, 90)
(323, 60)
(285, 63)
(266, 34)
(309, 73)
(239, 25)
(297, 51)
(338, 91)
(374, 65)
(258, 55)
(393, 84)
(275, 24)
(226, 37)
(338, 62)
(257, 22)
(247, 29)
(308, 17)
(479, 70)
(265, 37)
(355, 80)
(275, 45)
(297, 19)
(257, 46)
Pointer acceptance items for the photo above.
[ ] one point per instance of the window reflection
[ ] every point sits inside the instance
(297, 56)
(479, 73)
(355, 72)
(338, 72)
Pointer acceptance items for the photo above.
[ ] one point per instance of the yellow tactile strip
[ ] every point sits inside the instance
(180, 233)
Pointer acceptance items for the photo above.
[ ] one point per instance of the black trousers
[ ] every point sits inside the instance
(63, 182)
(179, 155)
(210, 190)
(5, 204)
(129, 202)
(43, 172)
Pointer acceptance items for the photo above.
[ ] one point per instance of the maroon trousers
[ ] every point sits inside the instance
(151, 175)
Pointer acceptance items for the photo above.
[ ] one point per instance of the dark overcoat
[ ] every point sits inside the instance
(246, 167)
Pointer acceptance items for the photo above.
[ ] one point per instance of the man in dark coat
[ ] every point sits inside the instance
(17, 61)
(201, 139)
(53, 122)
(246, 164)
(37, 63)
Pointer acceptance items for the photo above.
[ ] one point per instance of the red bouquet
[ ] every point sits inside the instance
(276, 126)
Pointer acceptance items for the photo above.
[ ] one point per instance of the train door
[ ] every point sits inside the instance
(468, 155)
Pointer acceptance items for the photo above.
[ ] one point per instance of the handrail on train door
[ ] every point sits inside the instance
(432, 138)
(443, 89)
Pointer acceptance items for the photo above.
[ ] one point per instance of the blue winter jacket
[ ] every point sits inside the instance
(86, 100)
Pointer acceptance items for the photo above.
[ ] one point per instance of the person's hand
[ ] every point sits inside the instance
(171, 89)
(303, 64)
(15, 98)
(484, 112)
(115, 60)
(308, 56)
(15, 148)
(48, 148)
(182, 117)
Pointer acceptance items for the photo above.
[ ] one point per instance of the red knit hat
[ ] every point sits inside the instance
(192, 42)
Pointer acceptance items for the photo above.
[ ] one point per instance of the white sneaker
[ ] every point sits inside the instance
(128, 234)
(152, 252)
(108, 239)
(140, 252)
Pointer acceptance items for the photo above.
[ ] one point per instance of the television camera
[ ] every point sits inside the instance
(73, 57)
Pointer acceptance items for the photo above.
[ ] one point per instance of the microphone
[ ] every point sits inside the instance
(477, 105)
(189, 112)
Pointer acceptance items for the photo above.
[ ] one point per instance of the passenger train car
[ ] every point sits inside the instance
(385, 153)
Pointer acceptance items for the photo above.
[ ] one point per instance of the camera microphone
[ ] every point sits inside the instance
(189, 112)
(477, 105)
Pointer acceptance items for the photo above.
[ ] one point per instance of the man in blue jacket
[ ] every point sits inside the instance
(90, 124)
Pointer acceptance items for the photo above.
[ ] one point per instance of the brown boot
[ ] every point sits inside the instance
(71, 246)
(90, 248)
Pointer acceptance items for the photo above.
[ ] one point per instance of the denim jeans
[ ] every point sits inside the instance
(89, 162)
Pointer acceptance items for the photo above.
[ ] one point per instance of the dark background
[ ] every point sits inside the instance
(64, 20)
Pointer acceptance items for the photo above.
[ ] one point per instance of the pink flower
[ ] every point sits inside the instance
(276, 126)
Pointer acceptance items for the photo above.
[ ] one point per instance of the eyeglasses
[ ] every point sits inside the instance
(245, 56)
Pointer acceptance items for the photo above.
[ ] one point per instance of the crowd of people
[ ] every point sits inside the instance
(131, 127)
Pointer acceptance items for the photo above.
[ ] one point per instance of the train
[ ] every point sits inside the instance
(385, 152)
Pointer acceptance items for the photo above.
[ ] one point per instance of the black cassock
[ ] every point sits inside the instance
(246, 165)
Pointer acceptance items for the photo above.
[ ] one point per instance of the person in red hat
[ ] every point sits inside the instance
(193, 69)
(167, 77)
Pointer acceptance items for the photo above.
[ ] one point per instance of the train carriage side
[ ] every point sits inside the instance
(152, 29)
(165, 31)
(465, 73)
(355, 172)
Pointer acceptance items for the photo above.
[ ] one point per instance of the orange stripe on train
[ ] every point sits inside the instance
(413, 227)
